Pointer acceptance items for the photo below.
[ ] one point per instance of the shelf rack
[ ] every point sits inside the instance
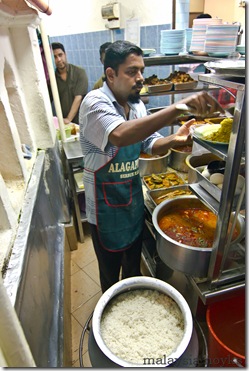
(226, 274)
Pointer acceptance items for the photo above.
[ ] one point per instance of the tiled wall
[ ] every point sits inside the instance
(83, 50)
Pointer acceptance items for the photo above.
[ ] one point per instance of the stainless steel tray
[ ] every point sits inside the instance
(155, 193)
(207, 185)
(179, 177)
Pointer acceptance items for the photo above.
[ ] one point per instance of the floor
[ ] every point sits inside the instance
(85, 293)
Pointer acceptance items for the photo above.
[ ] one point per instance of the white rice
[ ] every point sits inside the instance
(142, 324)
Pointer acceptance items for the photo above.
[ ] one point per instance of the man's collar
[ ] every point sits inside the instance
(111, 96)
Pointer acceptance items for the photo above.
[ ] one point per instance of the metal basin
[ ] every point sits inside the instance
(134, 283)
(177, 159)
(190, 260)
(154, 165)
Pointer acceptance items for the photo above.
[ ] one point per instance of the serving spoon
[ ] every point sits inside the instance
(186, 108)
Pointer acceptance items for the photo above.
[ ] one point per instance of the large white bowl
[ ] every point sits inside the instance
(134, 283)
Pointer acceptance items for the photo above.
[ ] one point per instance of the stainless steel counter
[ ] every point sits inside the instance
(37, 279)
(73, 151)
(74, 162)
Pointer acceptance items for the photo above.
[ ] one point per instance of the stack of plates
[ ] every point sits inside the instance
(241, 49)
(147, 52)
(199, 32)
(188, 38)
(221, 40)
(229, 67)
(172, 41)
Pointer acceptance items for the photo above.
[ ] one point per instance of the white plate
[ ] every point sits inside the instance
(147, 52)
(227, 67)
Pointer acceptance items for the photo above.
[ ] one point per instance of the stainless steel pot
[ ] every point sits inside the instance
(177, 160)
(190, 260)
(142, 283)
(153, 165)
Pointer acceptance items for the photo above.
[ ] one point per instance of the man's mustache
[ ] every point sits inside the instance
(139, 85)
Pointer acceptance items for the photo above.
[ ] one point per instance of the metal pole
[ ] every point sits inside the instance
(53, 83)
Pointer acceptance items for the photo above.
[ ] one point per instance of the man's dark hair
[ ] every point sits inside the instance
(204, 15)
(58, 46)
(117, 53)
(103, 47)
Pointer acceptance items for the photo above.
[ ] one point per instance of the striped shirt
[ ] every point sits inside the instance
(99, 115)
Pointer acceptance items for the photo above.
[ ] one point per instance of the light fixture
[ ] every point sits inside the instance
(242, 4)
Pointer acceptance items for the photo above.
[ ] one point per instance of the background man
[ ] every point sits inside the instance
(72, 83)
(102, 50)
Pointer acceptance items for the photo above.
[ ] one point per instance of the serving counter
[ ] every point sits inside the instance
(74, 164)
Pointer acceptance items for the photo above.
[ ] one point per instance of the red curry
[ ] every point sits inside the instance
(191, 226)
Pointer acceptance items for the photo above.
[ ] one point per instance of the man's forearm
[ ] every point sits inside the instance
(74, 108)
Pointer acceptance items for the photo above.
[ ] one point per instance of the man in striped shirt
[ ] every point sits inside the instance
(114, 129)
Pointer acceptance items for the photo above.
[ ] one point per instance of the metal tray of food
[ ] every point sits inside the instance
(159, 195)
(211, 188)
(185, 85)
(158, 88)
(216, 120)
(200, 119)
(163, 180)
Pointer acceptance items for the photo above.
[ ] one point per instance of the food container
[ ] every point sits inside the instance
(67, 129)
(216, 167)
(196, 166)
(215, 120)
(152, 165)
(158, 88)
(193, 162)
(163, 180)
(142, 283)
(159, 195)
(190, 260)
(226, 332)
(177, 159)
(200, 120)
(185, 85)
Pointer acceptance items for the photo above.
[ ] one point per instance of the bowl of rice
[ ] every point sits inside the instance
(142, 322)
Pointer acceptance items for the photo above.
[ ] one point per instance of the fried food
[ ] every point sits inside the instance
(179, 76)
(164, 180)
(173, 194)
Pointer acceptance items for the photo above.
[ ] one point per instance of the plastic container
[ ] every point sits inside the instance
(226, 332)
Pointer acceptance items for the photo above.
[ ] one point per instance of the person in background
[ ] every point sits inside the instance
(102, 50)
(204, 15)
(72, 83)
(114, 129)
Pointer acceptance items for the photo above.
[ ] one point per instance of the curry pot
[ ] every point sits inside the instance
(154, 165)
(134, 283)
(190, 260)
